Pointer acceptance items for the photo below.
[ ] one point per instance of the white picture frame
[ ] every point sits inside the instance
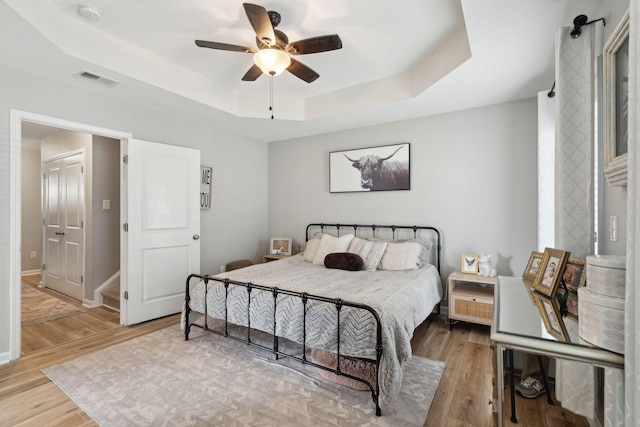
(381, 168)
(206, 179)
(280, 246)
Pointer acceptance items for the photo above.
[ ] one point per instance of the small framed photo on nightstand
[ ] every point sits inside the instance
(469, 264)
(280, 246)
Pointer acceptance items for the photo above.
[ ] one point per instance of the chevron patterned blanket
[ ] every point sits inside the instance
(402, 299)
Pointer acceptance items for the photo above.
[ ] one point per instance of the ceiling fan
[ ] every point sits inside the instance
(274, 52)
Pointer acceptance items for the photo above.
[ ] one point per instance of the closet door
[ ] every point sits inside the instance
(64, 225)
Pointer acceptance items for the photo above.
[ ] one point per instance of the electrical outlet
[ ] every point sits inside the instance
(33, 255)
(106, 204)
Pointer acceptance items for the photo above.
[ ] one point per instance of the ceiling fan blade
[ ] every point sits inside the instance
(224, 46)
(302, 72)
(315, 45)
(261, 23)
(253, 74)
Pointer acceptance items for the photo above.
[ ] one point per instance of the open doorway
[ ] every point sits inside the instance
(160, 232)
(102, 143)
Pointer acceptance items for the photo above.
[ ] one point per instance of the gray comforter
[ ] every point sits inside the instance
(402, 299)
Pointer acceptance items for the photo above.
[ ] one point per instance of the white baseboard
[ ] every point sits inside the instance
(5, 357)
(30, 272)
(91, 303)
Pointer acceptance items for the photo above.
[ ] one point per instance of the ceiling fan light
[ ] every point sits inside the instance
(272, 61)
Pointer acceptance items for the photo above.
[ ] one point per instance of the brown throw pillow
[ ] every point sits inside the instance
(344, 261)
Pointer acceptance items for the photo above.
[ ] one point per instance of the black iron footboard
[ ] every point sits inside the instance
(304, 298)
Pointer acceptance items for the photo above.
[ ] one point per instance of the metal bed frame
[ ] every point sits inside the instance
(304, 298)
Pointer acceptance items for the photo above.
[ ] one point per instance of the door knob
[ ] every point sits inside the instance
(196, 236)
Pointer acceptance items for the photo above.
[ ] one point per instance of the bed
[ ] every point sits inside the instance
(366, 315)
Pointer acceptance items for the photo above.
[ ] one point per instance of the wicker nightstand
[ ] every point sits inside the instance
(470, 298)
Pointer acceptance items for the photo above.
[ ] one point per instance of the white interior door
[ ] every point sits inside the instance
(64, 225)
(163, 217)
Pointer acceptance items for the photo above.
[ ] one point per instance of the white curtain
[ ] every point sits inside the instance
(632, 297)
(574, 180)
(574, 153)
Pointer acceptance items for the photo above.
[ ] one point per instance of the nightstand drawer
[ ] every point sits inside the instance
(474, 309)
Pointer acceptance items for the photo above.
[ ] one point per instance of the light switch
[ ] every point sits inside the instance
(106, 205)
(613, 228)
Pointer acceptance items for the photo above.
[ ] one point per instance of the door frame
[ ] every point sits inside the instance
(15, 208)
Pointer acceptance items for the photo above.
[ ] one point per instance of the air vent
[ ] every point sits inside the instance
(97, 78)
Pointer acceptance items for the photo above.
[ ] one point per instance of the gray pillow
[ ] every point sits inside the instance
(375, 255)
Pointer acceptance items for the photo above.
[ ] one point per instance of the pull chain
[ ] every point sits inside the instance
(271, 96)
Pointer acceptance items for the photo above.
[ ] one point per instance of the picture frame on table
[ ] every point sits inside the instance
(469, 264)
(575, 274)
(616, 103)
(549, 309)
(549, 273)
(533, 265)
(280, 246)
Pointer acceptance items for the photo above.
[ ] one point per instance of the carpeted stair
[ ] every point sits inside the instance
(111, 298)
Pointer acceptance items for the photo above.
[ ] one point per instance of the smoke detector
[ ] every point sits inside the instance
(90, 13)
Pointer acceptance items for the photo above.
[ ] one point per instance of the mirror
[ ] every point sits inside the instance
(616, 104)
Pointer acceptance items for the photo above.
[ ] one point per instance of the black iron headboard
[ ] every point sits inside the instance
(374, 228)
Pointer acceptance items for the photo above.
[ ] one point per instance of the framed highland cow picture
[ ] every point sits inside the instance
(383, 168)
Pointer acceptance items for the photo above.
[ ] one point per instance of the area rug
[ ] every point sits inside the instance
(161, 380)
(39, 307)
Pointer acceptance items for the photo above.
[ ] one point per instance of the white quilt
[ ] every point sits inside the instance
(402, 299)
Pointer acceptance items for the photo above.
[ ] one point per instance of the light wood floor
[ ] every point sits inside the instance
(28, 398)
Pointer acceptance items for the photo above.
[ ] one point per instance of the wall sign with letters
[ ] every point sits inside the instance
(206, 176)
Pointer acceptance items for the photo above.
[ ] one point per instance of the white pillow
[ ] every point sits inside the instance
(360, 246)
(330, 244)
(401, 256)
(310, 250)
(425, 243)
(375, 255)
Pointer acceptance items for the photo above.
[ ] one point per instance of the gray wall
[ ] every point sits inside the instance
(473, 175)
(31, 209)
(105, 250)
(235, 227)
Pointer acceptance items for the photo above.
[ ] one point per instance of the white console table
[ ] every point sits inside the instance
(517, 325)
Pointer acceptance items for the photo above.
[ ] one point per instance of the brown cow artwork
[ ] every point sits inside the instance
(370, 169)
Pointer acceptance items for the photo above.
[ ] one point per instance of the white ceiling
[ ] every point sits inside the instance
(401, 59)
